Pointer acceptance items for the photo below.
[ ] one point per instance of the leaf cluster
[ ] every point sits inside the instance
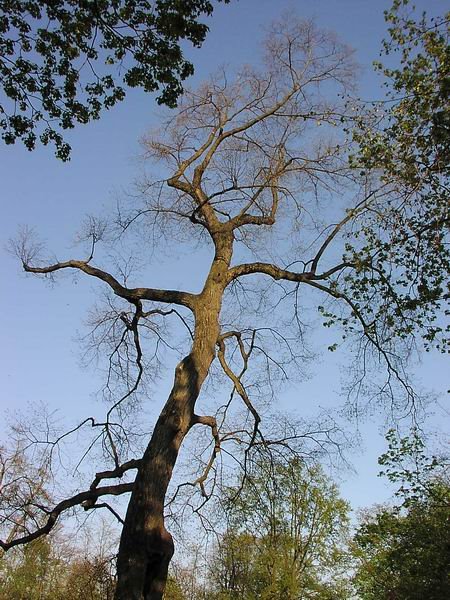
(62, 62)
(403, 143)
(285, 535)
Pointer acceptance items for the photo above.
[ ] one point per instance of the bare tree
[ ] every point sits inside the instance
(257, 168)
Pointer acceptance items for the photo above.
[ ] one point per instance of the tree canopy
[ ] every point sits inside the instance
(52, 568)
(404, 140)
(285, 536)
(62, 62)
(402, 552)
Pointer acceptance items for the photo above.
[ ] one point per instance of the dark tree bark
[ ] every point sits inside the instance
(146, 547)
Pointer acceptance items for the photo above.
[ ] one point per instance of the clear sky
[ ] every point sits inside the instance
(39, 357)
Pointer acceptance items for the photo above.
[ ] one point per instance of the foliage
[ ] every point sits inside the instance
(404, 142)
(412, 143)
(59, 60)
(173, 590)
(406, 463)
(403, 552)
(285, 536)
(405, 555)
(48, 569)
(31, 573)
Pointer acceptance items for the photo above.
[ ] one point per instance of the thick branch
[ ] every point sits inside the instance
(238, 384)
(130, 294)
(208, 150)
(88, 496)
(278, 273)
(115, 473)
(211, 422)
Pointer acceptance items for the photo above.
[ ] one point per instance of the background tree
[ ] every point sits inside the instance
(52, 569)
(186, 580)
(23, 487)
(90, 577)
(32, 572)
(403, 552)
(285, 538)
(257, 168)
(60, 61)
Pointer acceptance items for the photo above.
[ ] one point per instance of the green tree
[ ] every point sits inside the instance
(405, 555)
(31, 573)
(49, 569)
(286, 536)
(403, 552)
(58, 60)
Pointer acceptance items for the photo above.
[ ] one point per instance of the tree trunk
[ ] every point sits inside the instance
(146, 547)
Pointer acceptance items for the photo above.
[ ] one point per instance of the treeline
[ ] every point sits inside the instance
(48, 569)
(285, 533)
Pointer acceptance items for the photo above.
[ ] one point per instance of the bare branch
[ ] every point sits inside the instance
(54, 513)
(278, 273)
(130, 294)
(238, 384)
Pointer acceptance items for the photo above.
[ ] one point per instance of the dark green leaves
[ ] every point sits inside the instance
(62, 62)
(403, 552)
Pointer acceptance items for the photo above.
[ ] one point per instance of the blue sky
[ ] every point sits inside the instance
(40, 357)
